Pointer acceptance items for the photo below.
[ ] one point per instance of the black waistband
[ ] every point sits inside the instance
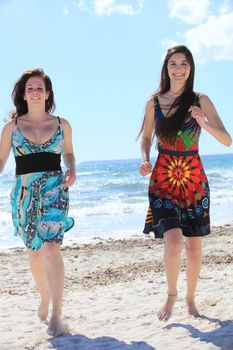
(177, 153)
(35, 162)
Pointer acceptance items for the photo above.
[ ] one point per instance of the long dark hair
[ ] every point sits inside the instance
(168, 128)
(18, 92)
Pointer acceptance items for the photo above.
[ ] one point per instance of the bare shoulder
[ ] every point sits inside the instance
(9, 126)
(149, 108)
(209, 109)
(150, 103)
(66, 125)
(205, 101)
(149, 118)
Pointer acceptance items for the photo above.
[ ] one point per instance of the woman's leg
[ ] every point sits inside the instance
(173, 243)
(37, 265)
(193, 249)
(55, 277)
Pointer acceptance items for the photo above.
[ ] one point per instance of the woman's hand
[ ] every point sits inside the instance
(69, 178)
(198, 114)
(145, 168)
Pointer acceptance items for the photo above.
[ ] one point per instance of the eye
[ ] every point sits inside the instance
(40, 89)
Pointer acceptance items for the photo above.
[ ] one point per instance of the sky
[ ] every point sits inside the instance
(105, 57)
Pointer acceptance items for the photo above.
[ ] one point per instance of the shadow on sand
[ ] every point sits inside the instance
(222, 336)
(81, 342)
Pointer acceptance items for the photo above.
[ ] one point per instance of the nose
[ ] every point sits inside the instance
(35, 91)
(178, 67)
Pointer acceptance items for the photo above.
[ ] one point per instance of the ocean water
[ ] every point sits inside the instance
(109, 199)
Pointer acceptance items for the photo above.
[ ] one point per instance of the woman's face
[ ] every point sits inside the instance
(35, 91)
(178, 68)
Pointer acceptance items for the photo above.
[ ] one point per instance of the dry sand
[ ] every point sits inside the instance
(112, 294)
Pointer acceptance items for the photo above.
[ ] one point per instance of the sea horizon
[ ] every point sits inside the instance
(152, 157)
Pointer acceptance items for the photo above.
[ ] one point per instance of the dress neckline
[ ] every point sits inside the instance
(39, 144)
(190, 119)
(159, 105)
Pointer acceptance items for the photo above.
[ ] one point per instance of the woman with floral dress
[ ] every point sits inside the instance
(179, 196)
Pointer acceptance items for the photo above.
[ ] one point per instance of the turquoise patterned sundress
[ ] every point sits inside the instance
(39, 204)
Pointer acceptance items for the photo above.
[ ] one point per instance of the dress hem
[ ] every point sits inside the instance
(173, 223)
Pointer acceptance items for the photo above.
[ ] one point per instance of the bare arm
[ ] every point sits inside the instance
(146, 138)
(208, 118)
(68, 155)
(5, 143)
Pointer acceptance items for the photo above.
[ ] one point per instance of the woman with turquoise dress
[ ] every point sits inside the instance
(40, 198)
(178, 190)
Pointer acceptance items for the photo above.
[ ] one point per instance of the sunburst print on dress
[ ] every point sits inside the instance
(182, 178)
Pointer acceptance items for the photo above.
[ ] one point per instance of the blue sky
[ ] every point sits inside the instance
(105, 56)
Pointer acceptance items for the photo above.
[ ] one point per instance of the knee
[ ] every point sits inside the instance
(192, 252)
(35, 255)
(52, 251)
(173, 244)
(175, 247)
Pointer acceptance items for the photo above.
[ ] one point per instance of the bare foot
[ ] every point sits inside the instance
(165, 312)
(57, 328)
(43, 311)
(192, 309)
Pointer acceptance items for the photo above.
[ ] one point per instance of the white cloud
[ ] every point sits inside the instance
(109, 7)
(211, 35)
(212, 40)
(189, 11)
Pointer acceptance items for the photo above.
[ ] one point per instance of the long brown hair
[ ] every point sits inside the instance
(18, 92)
(168, 128)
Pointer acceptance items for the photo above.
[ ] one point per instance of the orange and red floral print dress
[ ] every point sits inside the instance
(178, 189)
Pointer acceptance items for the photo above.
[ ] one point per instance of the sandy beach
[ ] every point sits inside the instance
(113, 291)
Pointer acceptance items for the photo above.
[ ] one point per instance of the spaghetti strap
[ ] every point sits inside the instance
(59, 121)
(16, 119)
(158, 115)
(156, 100)
(197, 100)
